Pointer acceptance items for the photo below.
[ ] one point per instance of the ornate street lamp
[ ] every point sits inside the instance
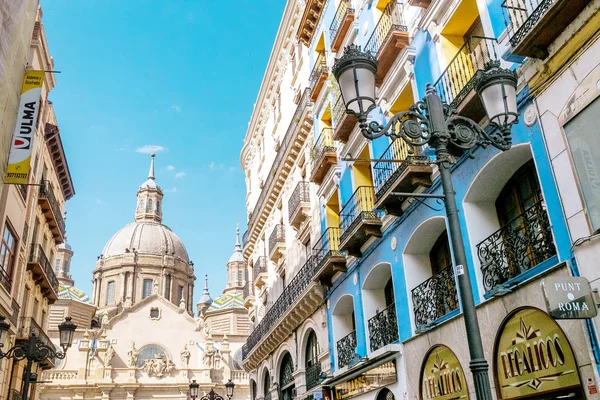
(430, 122)
(36, 350)
(212, 395)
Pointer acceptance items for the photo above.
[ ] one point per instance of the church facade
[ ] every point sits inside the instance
(138, 336)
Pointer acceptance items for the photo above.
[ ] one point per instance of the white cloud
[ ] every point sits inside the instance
(231, 169)
(171, 167)
(179, 174)
(175, 108)
(172, 190)
(150, 148)
(211, 165)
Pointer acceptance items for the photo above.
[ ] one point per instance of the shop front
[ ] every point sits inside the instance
(376, 381)
(533, 358)
(442, 376)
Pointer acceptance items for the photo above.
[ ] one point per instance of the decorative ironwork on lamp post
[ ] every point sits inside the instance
(34, 350)
(212, 395)
(431, 123)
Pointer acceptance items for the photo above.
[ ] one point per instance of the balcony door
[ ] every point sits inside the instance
(286, 378)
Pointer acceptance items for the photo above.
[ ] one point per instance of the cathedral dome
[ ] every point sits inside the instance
(145, 237)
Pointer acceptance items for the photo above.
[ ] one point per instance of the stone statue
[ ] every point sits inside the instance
(158, 367)
(208, 356)
(104, 322)
(132, 356)
(108, 356)
(185, 357)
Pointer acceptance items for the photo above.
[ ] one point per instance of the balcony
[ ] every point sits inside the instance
(317, 78)
(533, 25)
(346, 348)
(388, 39)
(358, 221)
(5, 280)
(299, 204)
(277, 243)
(244, 240)
(300, 299)
(310, 20)
(434, 298)
(419, 3)
(248, 293)
(341, 23)
(456, 85)
(51, 210)
(392, 176)
(323, 156)
(290, 149)
(517, 247)
(260, 271)
(329, 260)
(42, 272)
(343, 122)
(313, 375)
(28, 325)
(383, 328)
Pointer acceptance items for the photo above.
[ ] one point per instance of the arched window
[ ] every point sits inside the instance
(146, 288)
(439, 256)
(252, 390)
(286, 378)
(388, 292)
(150, 352)
(267, 386)
(385, 394)
(110, 293)
(149, 208)
(313, 366)
(157, 206)
(519, 194)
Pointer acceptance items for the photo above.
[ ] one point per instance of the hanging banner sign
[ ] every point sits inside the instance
(373, 379)
(21, 146)
(442, 376)
(533, 357)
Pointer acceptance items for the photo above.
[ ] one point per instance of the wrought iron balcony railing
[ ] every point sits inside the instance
(390, 21)
(386, 172)
(244, 239)
(46, 193)
(277, 237)
(518, 246)
(301, 194)
(5, 280)
(318, 69)
(359, 206)
(456, 82)
(289, 295)
(23, 191)
(260, 267)
(338, 26)
(313, 374)
(37, 256)
(435, 297)
(248, 290)
(346, 348)
(15, 395)
(327, 246)
(339, 111)
(323, 145)
(29, 325)
(383, 328)
(283, 149)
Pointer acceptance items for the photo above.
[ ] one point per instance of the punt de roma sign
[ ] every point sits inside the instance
(533, 356)
(442, 376)
(569, 297)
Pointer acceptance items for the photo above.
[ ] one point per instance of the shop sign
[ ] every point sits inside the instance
(372, 379)
(442, 376)
(17, 170)
(533, 356)
(569, 297)
(321, 394)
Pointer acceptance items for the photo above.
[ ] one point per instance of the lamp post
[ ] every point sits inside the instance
(35, 350)
(212, 395)
(432, 123)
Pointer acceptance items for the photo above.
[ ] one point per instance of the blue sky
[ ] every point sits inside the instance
(182, 75)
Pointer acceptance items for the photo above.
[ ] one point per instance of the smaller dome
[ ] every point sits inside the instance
(237, 255)
(150, 184)
(205, 299)
(68, 292)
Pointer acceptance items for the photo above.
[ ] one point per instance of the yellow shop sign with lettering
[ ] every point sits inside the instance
(533, 356)
(442, 376)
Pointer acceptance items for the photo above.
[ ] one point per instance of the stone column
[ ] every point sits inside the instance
(84, 350)
(123, 285)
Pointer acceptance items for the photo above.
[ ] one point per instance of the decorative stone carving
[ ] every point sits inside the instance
(132, 356)
(185, 357)
(158, 367)
(108, 356)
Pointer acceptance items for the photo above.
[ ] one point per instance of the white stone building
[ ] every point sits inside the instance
(137, 337)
